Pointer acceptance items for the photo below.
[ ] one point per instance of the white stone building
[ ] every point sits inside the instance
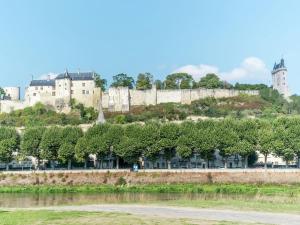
(279, 78)
(58, 92)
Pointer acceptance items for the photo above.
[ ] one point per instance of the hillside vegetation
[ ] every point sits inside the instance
(268, 104)
(41, 115)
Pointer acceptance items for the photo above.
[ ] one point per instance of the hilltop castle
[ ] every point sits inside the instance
(81, 88)
(279, 78)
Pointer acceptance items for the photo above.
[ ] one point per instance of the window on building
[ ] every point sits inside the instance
(34, 94)
(71, 84)
(72, 92)
(53, 93)
(87, 92)
(83, 92)
(53, 88)
(36, 88)
(83, 84)
(42, 88)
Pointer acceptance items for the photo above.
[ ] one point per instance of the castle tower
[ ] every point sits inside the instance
(279, 78)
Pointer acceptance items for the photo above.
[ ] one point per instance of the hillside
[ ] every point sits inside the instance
(269, 104)
(41, 115)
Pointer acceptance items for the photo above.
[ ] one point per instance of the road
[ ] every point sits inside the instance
(184, 212)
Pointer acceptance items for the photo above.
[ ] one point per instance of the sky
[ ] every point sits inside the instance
(238, 39)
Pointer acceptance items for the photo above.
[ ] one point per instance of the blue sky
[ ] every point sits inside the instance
(239, 39)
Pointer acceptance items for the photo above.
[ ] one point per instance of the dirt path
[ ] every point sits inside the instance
(184, 212)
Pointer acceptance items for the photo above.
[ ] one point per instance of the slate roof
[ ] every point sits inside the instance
(72, 76)
(279, 65)
(42, 83)
(76, 76)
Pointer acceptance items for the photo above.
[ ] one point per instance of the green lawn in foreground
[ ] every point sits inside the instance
(88, 218)
(276, 204)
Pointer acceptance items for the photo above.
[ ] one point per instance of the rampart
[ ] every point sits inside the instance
(122, 98)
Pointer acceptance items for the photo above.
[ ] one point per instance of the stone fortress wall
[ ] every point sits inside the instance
(81, 87)
(121, 99)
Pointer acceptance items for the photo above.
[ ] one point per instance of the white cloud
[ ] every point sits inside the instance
(46, 76)
(251, 69)
(197, 71)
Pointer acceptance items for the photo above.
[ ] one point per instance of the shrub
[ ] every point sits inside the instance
(121, 181)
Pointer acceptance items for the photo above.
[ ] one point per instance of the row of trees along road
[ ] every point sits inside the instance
(132, 143)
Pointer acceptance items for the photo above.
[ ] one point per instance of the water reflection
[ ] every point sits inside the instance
(52, 199)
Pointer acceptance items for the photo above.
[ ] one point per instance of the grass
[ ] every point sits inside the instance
(249, 189)
(90, 218)
(257, 203)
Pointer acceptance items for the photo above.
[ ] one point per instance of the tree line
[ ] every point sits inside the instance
(145, 81)
(134, 143)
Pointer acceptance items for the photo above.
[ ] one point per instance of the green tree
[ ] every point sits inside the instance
(30, 143)
(69, 138)
(101, 83)
(99, 146)
(266, 142)
(247, 132)
(2, 93)
(210, 81)
(82, 151)
(9, 141)
(185, 147)
(98, 142)
(66, 153)
(179, 81)
(279, 103)
(169, 134)
(244, 149)
(50, 144)
(6, 151)
(122, 80)
(159, 84)
(285, 143)
(130, 146)
(129, 150)
(71, 135)
(239, 86)
(294, 131)
(227, 139)
(206, 140)
(144, 81)
(149, 137)
(113, 137)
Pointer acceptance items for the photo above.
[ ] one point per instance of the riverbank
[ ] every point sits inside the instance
(117, 177)
(247, 189)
